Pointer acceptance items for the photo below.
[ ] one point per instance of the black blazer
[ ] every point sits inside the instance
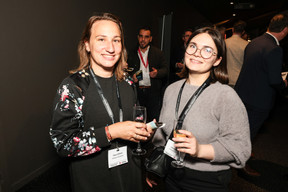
(260, 75)
(156, 59)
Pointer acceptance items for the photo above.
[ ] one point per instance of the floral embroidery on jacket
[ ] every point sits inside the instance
(67, 130)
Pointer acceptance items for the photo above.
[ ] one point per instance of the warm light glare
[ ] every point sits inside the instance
(234, 14)
(231, 3)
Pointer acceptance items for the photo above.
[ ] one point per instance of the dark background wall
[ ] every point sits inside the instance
(38, 46)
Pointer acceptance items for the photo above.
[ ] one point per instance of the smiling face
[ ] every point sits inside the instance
(104, 46)
(195, 63)
(144, 38)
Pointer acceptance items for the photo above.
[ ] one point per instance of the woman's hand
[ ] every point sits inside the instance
(129, 130)
(187, 144)
(190, 145)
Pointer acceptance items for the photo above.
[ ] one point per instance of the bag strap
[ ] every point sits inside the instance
(188, 104)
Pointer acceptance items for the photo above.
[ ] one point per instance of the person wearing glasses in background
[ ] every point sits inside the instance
(216, 127)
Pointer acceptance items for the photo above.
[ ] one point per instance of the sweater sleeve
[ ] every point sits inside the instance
(233, 143)
(68, 133)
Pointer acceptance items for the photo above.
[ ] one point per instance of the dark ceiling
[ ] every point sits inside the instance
(254, 12)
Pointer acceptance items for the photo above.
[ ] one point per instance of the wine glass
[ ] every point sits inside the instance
(179, 163)
(139, 115)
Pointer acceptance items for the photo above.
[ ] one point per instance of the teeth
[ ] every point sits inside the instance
(195, 61)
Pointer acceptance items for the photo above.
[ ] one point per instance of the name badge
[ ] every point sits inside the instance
(117, 157)
(171, 150)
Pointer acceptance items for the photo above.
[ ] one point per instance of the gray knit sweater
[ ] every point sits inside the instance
(218, 117)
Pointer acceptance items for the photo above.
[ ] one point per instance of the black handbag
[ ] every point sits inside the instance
(158, 162)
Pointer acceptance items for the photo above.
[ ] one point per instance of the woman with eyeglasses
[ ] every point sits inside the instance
(216, 127)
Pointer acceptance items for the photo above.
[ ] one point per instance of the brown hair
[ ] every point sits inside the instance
(217, 73)
(278, 23)
(84, 56)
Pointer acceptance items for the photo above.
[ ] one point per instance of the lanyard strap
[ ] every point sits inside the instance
(104, 100)
(140, 54)
(189, 103)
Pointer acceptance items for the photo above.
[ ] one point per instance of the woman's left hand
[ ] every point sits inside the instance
(188, 144)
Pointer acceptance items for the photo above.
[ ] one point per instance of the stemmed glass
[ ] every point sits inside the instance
(179, 163)
(139, 115)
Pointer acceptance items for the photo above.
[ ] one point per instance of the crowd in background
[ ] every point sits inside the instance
(93, 117)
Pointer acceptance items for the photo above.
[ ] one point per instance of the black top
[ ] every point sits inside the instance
(78, 132)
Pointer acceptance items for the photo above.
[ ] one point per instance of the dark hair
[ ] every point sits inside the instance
(221, 29)
(218, 73)
(146, 28)
(239, 27)
(85, 56)
(278, 23)
(187, 29)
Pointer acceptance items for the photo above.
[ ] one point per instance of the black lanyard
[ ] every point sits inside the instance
(104, 100)
(189, 103)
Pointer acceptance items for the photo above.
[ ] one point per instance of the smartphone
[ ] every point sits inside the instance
(139, 75)
(156, 125)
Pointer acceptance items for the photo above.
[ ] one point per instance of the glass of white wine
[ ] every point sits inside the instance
(139, 115)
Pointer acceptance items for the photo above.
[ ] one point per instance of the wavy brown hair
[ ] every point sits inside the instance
(217, 73)
(84, 55)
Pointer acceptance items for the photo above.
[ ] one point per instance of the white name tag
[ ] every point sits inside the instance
(117, 157)
(171, 150)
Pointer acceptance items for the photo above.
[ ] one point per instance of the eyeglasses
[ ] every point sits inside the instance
(206, 52)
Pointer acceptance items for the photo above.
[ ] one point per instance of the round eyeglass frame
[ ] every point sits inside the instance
(212, 54)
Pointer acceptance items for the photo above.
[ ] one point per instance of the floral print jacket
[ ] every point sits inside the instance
(68, 133)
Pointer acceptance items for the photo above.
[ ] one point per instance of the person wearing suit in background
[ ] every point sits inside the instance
(260, 76)
(235, 51)
(150, 60)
